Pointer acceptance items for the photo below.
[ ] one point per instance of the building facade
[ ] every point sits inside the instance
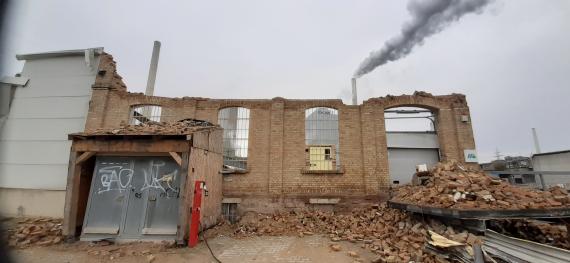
(273, 140)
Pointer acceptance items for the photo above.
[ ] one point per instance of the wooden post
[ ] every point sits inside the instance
(71, 196)
(182, 205)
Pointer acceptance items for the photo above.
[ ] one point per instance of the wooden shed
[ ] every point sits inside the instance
(136, 182)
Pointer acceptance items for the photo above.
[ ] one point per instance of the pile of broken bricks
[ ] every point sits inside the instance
(35, 232)
(392, 235)
(449, 185)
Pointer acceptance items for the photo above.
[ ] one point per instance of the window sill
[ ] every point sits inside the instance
(227, 171)
(324, 172)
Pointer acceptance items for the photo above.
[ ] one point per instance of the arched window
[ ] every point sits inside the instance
(235, 121)
(321, 138)
(144, 113)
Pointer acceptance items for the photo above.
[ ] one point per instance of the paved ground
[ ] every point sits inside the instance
(283, 249)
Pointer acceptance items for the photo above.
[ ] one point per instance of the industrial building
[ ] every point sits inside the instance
(50, 102)
(277, 153)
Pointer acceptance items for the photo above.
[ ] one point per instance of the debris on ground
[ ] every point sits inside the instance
(35, 231)
(542, 232)
(389, 233)
(449, 185)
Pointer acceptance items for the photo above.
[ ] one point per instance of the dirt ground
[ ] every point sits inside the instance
(315, 248)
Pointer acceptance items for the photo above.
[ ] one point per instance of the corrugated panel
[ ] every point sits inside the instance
(34, 152)
(41, 129)
(412, 140)
(56, 86)
(51, 177)
(60, 67)
(50, 107)
(520, 250)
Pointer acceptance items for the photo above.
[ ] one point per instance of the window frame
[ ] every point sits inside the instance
(322, 132)
(241, 135)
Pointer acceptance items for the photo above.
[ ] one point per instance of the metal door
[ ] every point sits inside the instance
(133, 198)
(403, 162)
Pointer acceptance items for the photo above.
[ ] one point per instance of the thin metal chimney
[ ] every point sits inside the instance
(536, 144)
(354, 98)
(153, 68)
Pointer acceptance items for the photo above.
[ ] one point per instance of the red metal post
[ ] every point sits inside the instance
(195, 217)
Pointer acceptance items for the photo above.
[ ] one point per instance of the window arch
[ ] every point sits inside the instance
(235, 121)
(144, 113)
(322, 138)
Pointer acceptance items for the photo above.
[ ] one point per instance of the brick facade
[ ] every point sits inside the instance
(276, 154)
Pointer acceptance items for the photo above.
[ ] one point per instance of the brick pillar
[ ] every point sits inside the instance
(276, 147)
(465, 138)
(447, 135)
(375, 159)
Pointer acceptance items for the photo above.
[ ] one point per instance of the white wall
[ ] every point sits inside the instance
(34, 150)
(553, 162)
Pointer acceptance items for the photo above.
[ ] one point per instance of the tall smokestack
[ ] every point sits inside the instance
(152, 70)
(428, 18)
(535, 138)
(354, 97)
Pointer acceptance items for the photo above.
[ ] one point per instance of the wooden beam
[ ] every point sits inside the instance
(164, 146)
(176, 157)
(84, 156)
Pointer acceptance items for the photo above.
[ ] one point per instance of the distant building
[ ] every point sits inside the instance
(553, 162)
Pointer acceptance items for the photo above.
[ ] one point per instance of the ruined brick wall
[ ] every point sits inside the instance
(277, 139)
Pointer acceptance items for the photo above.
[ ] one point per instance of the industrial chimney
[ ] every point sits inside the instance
(354, 98)
(152, 70)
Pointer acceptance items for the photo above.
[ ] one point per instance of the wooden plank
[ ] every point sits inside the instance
(176, 158)
(84, 156)
(144, 146)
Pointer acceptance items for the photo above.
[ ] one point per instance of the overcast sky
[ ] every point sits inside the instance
(512, 61)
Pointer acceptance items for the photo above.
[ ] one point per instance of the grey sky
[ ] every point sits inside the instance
(512, 61)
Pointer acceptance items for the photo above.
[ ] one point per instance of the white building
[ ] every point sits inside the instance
(553, 162)
(34, 150)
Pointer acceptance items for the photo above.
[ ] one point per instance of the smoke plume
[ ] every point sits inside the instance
(428, 18)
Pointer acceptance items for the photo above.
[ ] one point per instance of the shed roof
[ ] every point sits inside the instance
(179, 129)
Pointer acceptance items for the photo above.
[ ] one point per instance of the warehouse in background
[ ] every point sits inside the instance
(556, 162)
(51, 101)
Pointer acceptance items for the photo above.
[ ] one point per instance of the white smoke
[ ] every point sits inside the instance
(428, 18)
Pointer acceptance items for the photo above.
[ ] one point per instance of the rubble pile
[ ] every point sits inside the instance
(393, 235)
(182, 127)
(35, 231)
(449, 185)
(538, 231)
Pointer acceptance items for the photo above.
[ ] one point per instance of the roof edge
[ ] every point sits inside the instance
(61, 53)
(550, 153)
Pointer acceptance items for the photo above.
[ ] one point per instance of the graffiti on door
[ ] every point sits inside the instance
(118, 177)
(115, 178)
(153, 179)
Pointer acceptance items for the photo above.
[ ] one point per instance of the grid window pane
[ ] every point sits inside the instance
(321, 132)
(235, 121)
